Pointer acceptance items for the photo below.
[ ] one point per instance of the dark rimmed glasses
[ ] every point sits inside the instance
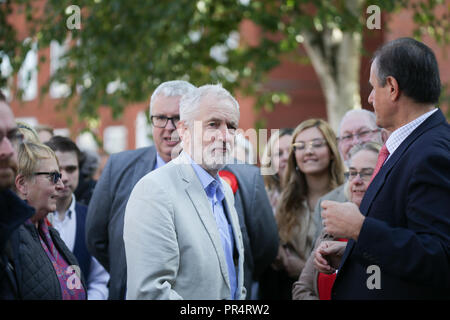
(14, 136)
(55, 176)
(161, 121)
(359, 135)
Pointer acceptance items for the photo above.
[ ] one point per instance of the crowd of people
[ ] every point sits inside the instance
(182, 219)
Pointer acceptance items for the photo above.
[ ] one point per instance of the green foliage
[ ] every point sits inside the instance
(142, 43)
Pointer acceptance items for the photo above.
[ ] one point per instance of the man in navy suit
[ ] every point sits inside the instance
(400, 236)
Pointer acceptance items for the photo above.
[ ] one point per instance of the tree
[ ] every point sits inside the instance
(124, 49)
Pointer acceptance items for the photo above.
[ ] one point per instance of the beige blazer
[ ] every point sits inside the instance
(172, 243)
(305, 288)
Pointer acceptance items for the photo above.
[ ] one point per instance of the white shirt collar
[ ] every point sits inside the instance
(398, 136)
(70, 210)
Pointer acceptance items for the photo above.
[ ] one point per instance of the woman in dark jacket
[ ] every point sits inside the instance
(48, 269)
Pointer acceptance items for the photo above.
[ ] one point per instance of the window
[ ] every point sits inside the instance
(27, 76)
(57, 89)
(143, 131)
(115, 139)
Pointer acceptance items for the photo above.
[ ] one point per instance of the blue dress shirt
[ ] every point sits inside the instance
(214, 191)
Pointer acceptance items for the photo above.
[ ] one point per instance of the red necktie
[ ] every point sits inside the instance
(382, 156)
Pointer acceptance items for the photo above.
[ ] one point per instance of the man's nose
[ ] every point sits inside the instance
(223, 133)
(355, 139)
(6, 148)
(64, 176)
(59, 185)
(370, 98)
(170, 125)
(358, 179)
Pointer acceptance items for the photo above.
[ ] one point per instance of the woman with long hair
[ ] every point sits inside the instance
(314, 168)
(274, 161)
(312, 284)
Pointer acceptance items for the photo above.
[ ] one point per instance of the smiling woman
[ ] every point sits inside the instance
(312, 284)
(314, 168)
(50, 272)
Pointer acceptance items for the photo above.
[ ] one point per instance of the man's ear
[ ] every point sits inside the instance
(182, 130)
(21, 185)
(394, 90)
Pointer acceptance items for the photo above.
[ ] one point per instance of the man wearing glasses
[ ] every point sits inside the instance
(104, 222)
(357, 127)
(13, 211)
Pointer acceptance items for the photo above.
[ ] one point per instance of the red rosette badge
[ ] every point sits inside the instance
(230, 178)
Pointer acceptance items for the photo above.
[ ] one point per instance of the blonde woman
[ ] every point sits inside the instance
(314, 168)
(313, 285)
(52, 271)
(275, 158)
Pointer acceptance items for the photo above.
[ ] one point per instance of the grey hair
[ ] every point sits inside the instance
(369, 114)
(368, 146)
(190, 102)
(171, 89)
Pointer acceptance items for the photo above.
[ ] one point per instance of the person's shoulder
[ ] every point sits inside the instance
(433, 142)
(336, 194)
(133, 155)
(242, 169)
(161, 175)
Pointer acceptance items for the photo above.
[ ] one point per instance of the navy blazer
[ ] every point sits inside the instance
(406, 232)
(80, 249)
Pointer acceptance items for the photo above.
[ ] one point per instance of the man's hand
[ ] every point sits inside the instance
(341, 220)
(327, 256)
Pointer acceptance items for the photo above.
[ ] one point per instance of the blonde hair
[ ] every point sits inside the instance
(28, 132)
(29, 155)
(295, 190)
(272, 182)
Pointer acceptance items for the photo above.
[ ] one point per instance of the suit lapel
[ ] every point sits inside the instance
(144, 165)
(199, 200)
(432, 121)
(374, 188)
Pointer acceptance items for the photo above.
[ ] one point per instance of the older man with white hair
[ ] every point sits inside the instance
(182, 235)
(356, 127)
(104, 222)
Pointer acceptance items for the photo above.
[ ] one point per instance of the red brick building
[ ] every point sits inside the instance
(299, 81)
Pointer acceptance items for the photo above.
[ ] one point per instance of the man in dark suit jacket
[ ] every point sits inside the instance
(400, 235)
